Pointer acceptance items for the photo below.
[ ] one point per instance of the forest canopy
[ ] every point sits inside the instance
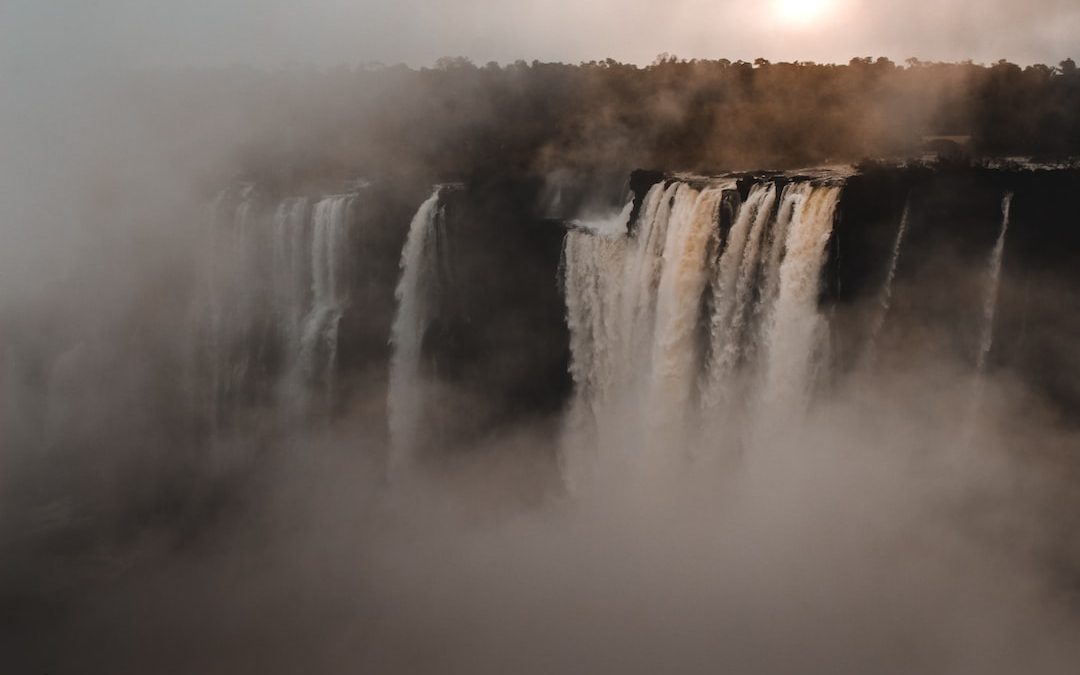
(457, 117)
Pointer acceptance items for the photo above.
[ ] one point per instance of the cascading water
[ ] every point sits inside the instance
(292, 259)
(993, 285)
(683, 279)
(227, 313)
(419, 274)
(647, 345)
(885, 298)
(588, 262)
(633, 305)
(796, 328)
(611, 283)
(329, 255)
(986, 328)
(276, 284)
(731, 289)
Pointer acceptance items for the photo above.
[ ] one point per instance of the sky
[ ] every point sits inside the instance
(274, 33)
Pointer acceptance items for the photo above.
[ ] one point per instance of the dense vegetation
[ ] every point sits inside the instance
(456, 117)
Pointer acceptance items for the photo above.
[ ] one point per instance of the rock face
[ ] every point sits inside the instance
(299, 308)
(497, 342)
(500, 337)
(210, 366)
(954, 220)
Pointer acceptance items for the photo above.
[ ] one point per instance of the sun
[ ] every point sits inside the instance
(800, 12)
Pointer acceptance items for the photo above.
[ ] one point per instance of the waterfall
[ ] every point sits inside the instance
(419, 274)
(611, 277)
(993, 285)
(276, 290)
(885, 297)
(291, 285)
(731, 287)
(290, 268)
(590, 266)
(796, 328)
(329, 255)
(230, 303)
(611, 281)
(793, 195)
(986, 327)
(665, 313)
(636, 291)
(684, 276)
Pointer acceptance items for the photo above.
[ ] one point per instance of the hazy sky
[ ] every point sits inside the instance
(276, 32)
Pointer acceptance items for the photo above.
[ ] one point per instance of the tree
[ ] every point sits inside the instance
(454, 63)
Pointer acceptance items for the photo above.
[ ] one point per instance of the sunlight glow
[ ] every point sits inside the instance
(801, 13)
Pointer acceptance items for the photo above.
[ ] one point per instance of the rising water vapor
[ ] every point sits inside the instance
(722, 490)
(622, 431)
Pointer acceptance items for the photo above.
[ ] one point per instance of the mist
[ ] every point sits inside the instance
(477, 337)
(835, 552)
(417, 32)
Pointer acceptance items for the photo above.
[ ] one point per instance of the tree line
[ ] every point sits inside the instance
(694, 115)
